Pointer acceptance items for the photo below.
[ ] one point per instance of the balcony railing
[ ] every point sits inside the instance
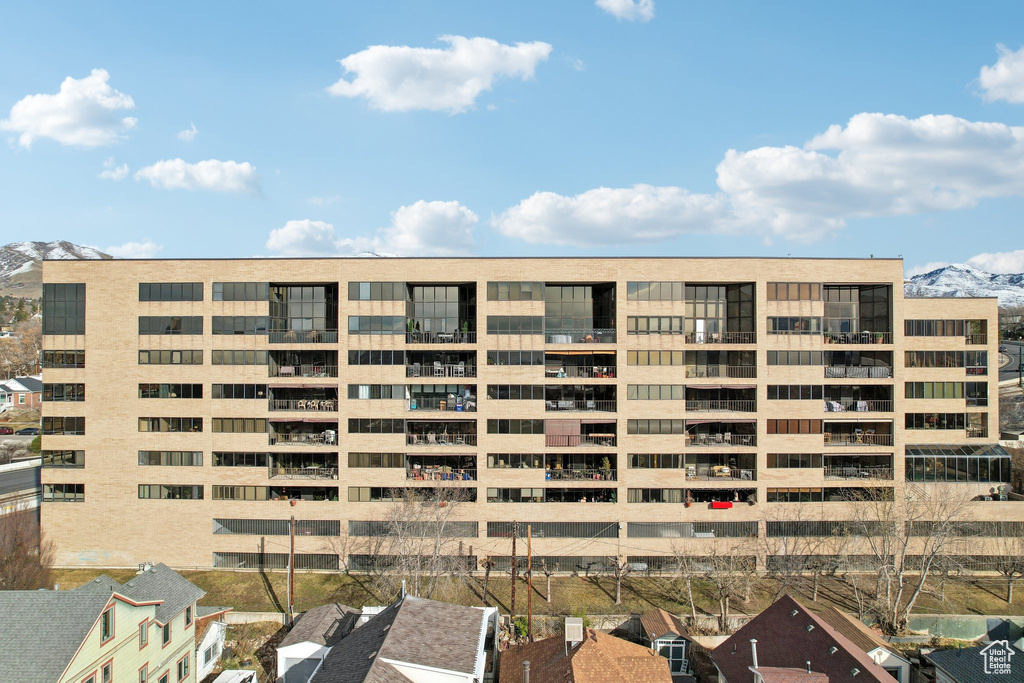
(303, 472)
(976, 338)
(432, 474)
(304, 371)
(854, 439)
(573, 474)
(872, 472)
(721, 371)
(574, 440)
(329, 405)
(596, 336)
(977, 432)
(441, 404)
(858, 337)
(440, 337)
(440, 439)
(857, 372)
(315, 439)
(722, 439)
(303, 336)
(583, 406)
(721, 338)
(440, 370)
(584, 371)
(858, 406)
(718, 472)
(735, 406)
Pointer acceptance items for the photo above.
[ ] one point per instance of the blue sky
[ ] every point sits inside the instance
(614, 127)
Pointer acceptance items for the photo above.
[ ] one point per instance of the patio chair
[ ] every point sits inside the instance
(431, 438)
(718, 438)
(460, 369)
(727, 438)
(416, 369)
(438, 369)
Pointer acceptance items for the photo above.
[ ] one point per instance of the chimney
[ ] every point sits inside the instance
(808, 666)
(403, 588)
(753, 650)
(526, 671)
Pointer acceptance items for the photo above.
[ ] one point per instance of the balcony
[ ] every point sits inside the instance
(303, 472)
(308, 405)
(303, 336)
(857, 439)
(721, 439)
(736, 406)
(864, 337)
(303, 371)
(977, 432)
(439, 473)
(580, 406)
(580, 372)
(857, 372)
(592, 336)
(328, 437)
(580, 475)
(721, 371)
(721, 499)
(443, 439)
(976, 338)
(455, 404)
(458, 337)
(858, 406)
(859, 473)
(579, 440)
(719, 473)
(439, 369)
(721, 338)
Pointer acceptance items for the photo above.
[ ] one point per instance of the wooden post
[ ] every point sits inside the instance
(512, 601)
(529, 583)
(291, 569)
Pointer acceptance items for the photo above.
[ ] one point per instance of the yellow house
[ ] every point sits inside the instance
(104, 631)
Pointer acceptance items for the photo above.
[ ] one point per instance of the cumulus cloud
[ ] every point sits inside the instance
(1004, 80)
(999, 262)
(926, 268)
(628, 10)
(84, 113)
(420, 229)
(113, 172)
(147, 249)
(642, 213)
(189, 134)
(403, 78)
(214, 175)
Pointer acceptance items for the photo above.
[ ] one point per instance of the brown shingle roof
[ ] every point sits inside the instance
(784, 641)
(854, 629)
(778, 674)
(324, 625)
(600, 658)
(658, 623)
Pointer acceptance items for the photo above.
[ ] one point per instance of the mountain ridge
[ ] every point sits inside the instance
(21, 272)
(963, 280)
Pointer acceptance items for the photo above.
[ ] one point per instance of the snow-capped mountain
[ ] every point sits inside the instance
(20, 264)
(959, 279)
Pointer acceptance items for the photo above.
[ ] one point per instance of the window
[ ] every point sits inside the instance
(241, 291)
(654, 358)
(666, 324)
(170, 391)
(144, 674)
(170, 324)
(64, 308)
(376, 391)
(795, 392)
(256, 391)
(376, 459)
(504, 392)
(376, 324)
(164, 679)
(63, 459)
(144, 634)
(63, 392)
(63, 425)
(654, 392)
(794, 358)
(376, 291)
(64, 493)
(170, 424)
(230, 459)
(107, 625)
(794, 426)
(515, 358)
(794, 460)
(794, 291)
(188, 616)
(240, 425)
(655, 427)
(239, 324)
(170, 291)
(794, 325)
(185, 357)
(657, 460)
(654, 291)
(515, 426)
(238, 357)
(934, 389)
(170, 492)
(376, 357)
(375, 426)
(936, 421)
(515, 460)
(794, 495)
(107, 672)
(515, 291)
(240, 493)
(515, 324)
(63, 359)
(165, 635)
(171, 458)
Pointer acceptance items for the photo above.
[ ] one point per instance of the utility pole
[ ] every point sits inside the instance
(1020, 366)
(512, 601)
(291, 569)
(529, 582)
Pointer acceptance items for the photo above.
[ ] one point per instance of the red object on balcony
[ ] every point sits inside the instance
(721, 505)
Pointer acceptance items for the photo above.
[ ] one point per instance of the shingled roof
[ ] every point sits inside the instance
(324, 625)
(163, 583)
(599, 658)
(854, 629)
(658, 623)
(788, 636)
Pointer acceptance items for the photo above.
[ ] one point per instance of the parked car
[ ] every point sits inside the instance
(1002, 349)
(4, 429)
(28, 431)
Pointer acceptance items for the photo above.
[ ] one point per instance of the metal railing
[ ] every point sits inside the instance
(441, 404)
(858, 337)
(305, 439)
(870, 406)
(721, 338)
(716, 472)
(854, 439)
(977, 432)
(440, 370)
(303, 472)
(737, 406)
(440, 439)
(857, 372)
(573, 474)
(440, 337)
(721, 371)
(721, 439)
(976, 338)
(584, 371)
(595, 336)
(872, 472)
(583, 406)
(431, 474)
(303, 371)
(574, 440)
(303, 336)
(308, 404)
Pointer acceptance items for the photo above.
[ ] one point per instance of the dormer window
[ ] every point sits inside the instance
(188, 616)
(106, 625)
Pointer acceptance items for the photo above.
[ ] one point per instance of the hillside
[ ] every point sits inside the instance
(962, 280)
(21, 272)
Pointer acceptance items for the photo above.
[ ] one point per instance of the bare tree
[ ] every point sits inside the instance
(488, 564)
(619, 568)
(729, 572)
(548, 571)
(1009, 547)
(11, 449)
(25, 554)
(687, 569)
(19, 353)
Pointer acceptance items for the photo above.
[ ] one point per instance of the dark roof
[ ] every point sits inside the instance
(658, 623)
(777, 674)
(163, 583)
(854, 629)
(599, 658)
(203, 611)
(784, 641)
(967, 665)
(325, 625)
(31, 383)
(413, 630)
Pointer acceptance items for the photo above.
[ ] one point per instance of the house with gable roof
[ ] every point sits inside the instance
(886, 656)
(998, 660)
(666, 635)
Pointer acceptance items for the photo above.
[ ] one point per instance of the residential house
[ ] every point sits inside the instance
(789, 642)
(595, 657)
(314, 633)
(665, 634)
(102, 632)
(211, 630)
(998, 660)
(886, 656)
(20, 393)
(417, 640)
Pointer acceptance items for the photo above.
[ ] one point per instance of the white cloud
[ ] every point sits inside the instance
(420, 229)
(999, 262)
(218, 176)
(189, 134)
(1004, 80)
(403, 78)
(147, 249)
(926, 268)
(629, 10)
(84, 113)
(579, 65)
(324, 201)
(641, 213)
(113, 172)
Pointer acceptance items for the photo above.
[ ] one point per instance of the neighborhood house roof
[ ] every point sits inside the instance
(599, 658)
(163, 583)
(967, 665)
(778, 674)
(854, 629)
(324, 625)
(658, 623)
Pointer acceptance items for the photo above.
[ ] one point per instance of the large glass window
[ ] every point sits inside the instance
(64, 308)
(170, 291)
